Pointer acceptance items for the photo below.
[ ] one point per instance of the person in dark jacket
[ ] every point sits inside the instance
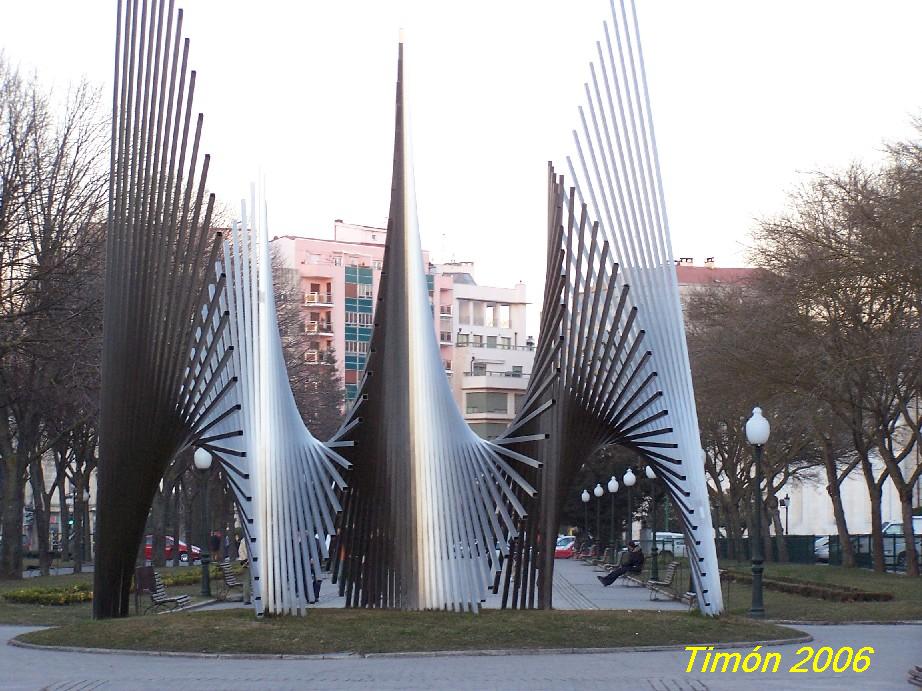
(631, 562)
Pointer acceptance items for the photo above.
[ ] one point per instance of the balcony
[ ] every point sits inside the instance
(318, 299)
(320, 328)
(445, 338)
(319, 357)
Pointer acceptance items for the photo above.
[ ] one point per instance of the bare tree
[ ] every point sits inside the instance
(52, 195)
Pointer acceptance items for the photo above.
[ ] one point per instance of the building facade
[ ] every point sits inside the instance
(485, 350)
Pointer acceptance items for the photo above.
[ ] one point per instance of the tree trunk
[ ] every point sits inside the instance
(79, 513)
(833, 489)
(874, 493)
(877, 536)
(912, 556)
(41, 514)
(780, 537)
(14, 487)
(64, 523)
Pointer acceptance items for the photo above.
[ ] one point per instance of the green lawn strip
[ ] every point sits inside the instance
(906, 605)
(369, 631)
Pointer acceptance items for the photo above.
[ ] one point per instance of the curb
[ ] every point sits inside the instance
(371, 656)
(862, 622)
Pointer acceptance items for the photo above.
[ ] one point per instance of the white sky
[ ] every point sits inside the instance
(746, 96)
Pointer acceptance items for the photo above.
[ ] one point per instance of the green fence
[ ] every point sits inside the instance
(800, 548)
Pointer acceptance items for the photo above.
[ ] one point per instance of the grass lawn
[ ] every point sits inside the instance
(38, 615)
(367, 631)
(907, 592)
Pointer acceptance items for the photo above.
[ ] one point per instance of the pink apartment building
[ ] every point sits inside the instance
(338, 280)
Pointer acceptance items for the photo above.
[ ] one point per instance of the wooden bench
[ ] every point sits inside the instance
(160, 600)
(230, 580)
(665, 581)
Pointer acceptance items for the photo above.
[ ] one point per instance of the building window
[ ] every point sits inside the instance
(491, 341)
(517, 370)
(505, 342)
(337, 260)
(519, 401)
(464, 311)
(477, 309)
(488, 430)
(489, 314)
(504, 316)
(476, 340)
(364, 290)
(479, 369)
(486, 402)
(377, 264)
(463, 340)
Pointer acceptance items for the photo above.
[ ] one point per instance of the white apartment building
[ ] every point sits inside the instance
(493, 354)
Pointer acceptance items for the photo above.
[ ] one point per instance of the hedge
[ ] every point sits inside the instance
(83, 592)
(50, 596)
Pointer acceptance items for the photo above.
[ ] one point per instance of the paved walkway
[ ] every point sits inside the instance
(576, 586)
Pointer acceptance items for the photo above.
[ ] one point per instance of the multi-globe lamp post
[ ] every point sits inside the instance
(651, 475)
(629, 480)
(598, 492)
(757, 431)
(202, 460)
(612, 488)
(585, 497)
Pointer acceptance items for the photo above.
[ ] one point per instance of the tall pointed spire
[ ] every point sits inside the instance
(424, 496)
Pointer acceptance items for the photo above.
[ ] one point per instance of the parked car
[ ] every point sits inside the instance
(895, 542)
(821, 548)
(566, 545)
(168, 549)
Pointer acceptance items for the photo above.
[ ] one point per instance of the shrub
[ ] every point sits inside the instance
(837, 593)
(81, 592)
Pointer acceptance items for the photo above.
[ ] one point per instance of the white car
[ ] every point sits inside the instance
(821, 548)
(895, 542)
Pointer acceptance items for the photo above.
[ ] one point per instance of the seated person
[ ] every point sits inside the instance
(631, 561)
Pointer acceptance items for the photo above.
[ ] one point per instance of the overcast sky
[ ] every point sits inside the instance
(747, 97)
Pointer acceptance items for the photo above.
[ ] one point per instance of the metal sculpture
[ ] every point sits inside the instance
(624, 372)
(284, 479)
(430, 506)
(164, 373)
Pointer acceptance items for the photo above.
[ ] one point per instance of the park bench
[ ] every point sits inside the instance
(230, 580)
(665, 581)
(608, 557)
(161, 601)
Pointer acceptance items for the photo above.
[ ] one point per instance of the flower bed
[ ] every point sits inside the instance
(839, 593)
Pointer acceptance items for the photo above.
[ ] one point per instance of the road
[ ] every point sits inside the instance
(897, 647)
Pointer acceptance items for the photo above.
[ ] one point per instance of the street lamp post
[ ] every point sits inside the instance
(629, 479)
(757, 431)
(612, 488)
(598, 492)
(654, 553)
(585, 497)
(786, 503)
(202, 459)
